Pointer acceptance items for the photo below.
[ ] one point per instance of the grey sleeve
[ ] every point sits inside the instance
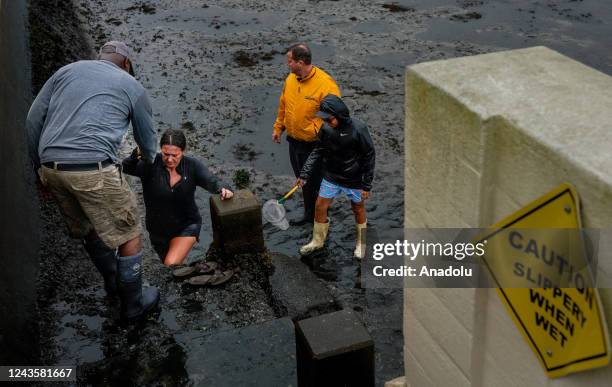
(144, 133)
(133, 166)
(208, 181)
(36, 120)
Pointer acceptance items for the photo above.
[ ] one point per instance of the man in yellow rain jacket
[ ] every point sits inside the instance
(303, 91)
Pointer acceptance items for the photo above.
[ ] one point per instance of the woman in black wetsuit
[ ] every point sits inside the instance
(168, 185)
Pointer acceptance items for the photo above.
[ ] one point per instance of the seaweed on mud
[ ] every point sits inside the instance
(114, 21)
(245, 59)
(245, 152)
(466, 17)
(188, 126)
(269, 55)
(394, 7)
(471, 3)
(143, 7)
(242, 178)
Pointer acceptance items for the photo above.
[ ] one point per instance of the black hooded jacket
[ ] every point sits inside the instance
(347, 151)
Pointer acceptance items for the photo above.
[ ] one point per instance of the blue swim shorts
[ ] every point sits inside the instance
(330, 190)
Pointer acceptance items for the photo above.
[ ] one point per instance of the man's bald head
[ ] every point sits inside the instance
(300, 51)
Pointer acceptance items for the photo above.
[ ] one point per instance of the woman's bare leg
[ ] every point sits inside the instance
(178, 250)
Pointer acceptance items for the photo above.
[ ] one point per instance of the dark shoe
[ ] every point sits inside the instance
(105, 260)
(136, 301)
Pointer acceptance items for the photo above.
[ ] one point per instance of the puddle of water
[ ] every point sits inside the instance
(395, 62)
(574, 29)
(75, 336)
(252, 144)
(374, 27)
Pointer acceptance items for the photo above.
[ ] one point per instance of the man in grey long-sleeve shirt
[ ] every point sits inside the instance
(75, 127)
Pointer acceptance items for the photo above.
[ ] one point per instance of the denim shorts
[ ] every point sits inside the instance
(161, 244)
(330, 190)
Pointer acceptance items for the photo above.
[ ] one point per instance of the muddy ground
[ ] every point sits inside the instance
(215, 68)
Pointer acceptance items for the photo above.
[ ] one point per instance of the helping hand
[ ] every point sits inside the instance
(365, 194)
(226, 194)
(136, 154)
(276, 137)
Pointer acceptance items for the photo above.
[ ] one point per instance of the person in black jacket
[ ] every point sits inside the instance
(347, 153)
(168, 185)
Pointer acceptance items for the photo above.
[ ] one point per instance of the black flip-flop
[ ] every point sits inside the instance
(199, 268)
(220, 277)
(200, 280)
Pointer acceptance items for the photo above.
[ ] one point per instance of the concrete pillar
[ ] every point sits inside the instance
(236, 223)
(334, 349)
(486, 135)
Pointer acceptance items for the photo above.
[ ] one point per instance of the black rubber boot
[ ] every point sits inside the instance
(306, 219)
(310, 198)
(136, 301)
(105, 260)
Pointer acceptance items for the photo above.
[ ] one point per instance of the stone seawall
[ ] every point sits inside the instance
(19, 238)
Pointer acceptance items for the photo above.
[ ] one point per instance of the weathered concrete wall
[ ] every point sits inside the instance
(19, 238)
(486, 135)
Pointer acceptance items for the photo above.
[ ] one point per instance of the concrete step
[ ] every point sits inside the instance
(256, 355)
(296, 291)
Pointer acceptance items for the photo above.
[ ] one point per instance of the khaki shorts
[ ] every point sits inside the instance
(99, 200)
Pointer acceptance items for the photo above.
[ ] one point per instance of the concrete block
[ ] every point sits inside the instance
(236, 223)
(296, 291)
(595, 378)
(431, 355)
(257, 355)
(522, 122)
(415, 373)
(464, 188)
(456, 338)
(459, 302)
(334, 349)
(440, 132)
(507, 354)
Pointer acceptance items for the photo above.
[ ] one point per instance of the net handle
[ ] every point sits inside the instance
(288, 194)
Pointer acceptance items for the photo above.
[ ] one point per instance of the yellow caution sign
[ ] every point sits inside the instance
(536, 257)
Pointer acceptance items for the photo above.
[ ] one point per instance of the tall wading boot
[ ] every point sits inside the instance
(105, 260)
(360, 246)
(319, 234)
(136, 301)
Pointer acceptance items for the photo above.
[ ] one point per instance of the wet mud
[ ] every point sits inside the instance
(216, 70)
